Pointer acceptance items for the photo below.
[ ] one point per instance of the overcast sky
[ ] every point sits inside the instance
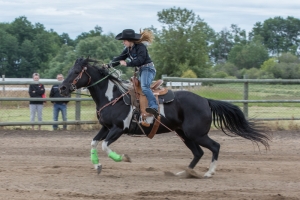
(77, 16)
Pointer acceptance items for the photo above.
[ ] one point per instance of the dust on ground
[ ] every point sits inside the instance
(47, 165)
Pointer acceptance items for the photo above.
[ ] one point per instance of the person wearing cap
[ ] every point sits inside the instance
(59, 106)
(135, 54)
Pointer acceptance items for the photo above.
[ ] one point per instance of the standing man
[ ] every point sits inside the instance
(36, 91)
(58, 105)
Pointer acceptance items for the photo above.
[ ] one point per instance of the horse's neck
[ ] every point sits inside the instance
(104, 92)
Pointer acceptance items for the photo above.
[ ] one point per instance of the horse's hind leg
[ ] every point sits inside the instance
(194, 147)
(214, 147)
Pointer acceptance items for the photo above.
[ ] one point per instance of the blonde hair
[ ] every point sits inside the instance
(146, 36)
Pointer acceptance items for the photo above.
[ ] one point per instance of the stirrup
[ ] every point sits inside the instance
(152, 111)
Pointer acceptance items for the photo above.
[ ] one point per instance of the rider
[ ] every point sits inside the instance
(136, 55)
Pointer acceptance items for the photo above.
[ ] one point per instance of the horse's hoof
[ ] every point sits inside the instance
(99, 169)
(207, 175)
(167, 173)
(126, 158)
(192, 173)
(182, 174)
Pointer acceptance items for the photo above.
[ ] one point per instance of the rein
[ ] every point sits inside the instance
(73, 84)
(113, 102)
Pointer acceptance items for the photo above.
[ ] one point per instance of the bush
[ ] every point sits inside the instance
(220, 74)
(189, 74)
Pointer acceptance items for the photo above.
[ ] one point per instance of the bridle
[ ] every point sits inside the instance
(73, 84)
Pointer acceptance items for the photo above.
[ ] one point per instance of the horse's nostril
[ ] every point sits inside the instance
(62, 88)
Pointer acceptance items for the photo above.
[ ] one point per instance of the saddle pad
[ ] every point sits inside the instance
(166, 98)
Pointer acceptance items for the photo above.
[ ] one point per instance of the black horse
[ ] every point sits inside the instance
(189, 115)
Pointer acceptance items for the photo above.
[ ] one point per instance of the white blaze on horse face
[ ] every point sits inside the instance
(109, 91)
(127, 120)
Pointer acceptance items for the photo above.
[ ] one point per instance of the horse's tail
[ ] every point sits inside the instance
(229, 117)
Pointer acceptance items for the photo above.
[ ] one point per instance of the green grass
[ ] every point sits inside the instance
(22, 114)
(235, 91)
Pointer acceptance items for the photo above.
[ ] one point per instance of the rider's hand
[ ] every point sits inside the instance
(122, 62)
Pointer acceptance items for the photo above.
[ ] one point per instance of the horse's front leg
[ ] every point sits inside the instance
(94, 153)
(112, 136)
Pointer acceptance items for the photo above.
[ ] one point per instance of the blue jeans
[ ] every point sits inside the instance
(56, 109)
(147, 75)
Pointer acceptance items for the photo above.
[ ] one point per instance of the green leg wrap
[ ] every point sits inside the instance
(116, 157)
(94, 156)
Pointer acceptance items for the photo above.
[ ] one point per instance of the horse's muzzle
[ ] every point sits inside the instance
(64, 91)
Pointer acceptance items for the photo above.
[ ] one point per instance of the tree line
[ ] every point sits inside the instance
(185, 46)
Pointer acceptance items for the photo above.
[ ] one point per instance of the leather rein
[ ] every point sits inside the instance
(73, 85)
(113, 102)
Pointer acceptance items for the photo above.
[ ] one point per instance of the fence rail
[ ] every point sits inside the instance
(78, 100)
(78, 122)
(246, 82)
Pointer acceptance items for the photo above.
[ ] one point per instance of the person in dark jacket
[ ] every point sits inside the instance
(136, 55)
(58, 105)
(36, 107)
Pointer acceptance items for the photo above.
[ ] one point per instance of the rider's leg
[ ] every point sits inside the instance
(147, 75)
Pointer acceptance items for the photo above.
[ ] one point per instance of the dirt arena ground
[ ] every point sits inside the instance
(40, 165)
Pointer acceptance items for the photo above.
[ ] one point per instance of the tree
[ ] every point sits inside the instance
(61, 63)
(288, 58)
(279, 35)
(224, 41)
(8, 53)
(93, 33)
(228, 67)
(285, 66)
(65, 39)
(22, 29)
(248, 56)
(26, 48)
(102, 48)
(183, 40)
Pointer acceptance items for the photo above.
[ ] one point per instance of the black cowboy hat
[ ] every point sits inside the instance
(128, 34)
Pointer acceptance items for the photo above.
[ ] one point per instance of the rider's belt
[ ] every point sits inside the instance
(148, 64)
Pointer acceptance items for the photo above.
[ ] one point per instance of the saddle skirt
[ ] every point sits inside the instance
(136, 96)
(140, 102)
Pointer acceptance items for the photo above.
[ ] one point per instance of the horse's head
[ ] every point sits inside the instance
(78, 77)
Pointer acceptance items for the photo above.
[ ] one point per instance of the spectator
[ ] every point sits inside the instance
(36, 91)
(58, 105)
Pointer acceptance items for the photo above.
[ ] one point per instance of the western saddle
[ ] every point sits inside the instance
(139, 100)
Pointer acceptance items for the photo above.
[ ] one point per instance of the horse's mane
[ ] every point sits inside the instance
(112, 75)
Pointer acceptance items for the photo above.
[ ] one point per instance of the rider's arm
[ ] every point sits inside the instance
(122, 56)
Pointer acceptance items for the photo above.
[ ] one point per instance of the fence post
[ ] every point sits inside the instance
(246, 92)
(77, 109)
(3, 79)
